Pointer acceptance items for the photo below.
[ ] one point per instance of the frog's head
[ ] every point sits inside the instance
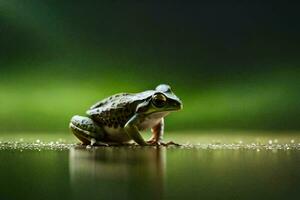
(162, 100)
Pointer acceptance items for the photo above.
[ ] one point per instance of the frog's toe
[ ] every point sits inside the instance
(155, 143)
(170, 143)
(161, 143)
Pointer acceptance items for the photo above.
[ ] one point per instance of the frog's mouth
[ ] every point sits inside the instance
(166, 110)
(175, 109)
(176, 106)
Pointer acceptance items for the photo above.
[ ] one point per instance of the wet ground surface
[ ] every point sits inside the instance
(213, 166)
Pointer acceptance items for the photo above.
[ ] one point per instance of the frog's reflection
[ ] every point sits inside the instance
(117, 172)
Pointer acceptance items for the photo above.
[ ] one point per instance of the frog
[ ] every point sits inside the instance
(119, 119)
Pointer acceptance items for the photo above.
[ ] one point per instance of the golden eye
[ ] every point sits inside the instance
(159, 100)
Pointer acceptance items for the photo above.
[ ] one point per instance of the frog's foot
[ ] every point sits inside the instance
(171, 143)
(94, 142)
(87, 131)
(161, 143)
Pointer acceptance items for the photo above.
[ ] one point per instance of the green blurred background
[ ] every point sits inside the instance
(235, 65)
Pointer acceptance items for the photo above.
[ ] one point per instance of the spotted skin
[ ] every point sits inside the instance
(119, 118)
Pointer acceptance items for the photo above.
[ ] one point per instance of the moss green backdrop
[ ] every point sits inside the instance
(234, 65)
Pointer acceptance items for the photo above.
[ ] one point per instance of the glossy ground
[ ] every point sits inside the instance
(212, 165)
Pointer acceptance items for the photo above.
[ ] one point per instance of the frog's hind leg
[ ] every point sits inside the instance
(86, 130)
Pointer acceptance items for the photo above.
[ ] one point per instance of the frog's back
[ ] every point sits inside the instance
(117, 109)
(121, 99)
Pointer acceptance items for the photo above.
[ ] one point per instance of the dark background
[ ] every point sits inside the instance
(234, 64)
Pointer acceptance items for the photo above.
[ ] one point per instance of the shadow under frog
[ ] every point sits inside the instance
(117, 173)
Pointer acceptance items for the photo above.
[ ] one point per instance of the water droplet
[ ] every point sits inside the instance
(292, 141)
(270, 141)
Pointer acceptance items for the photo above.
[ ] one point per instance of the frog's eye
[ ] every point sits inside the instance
(159, 100)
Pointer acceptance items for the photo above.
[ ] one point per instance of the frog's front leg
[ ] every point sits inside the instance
(133, 132)
(157, 135)
(87, 131)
